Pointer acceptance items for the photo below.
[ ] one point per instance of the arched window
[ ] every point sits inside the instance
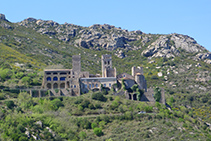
(90, 86)
(108, 62)
(96, 85)
(62, 78)
(55, 86)
(134, 97)
(48, 78)
(49, 85)
(93, 85)
(55, 79)
(62, 85)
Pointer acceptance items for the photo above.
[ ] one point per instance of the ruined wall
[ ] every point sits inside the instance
(137, 70)
(124, 75)
(129, 83)
(110, 72)
(140, 80)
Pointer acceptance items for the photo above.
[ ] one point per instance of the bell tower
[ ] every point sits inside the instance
(106, 61)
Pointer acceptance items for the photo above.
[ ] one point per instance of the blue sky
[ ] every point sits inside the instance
(189, 17)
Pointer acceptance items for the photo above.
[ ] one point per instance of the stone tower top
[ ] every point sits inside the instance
(106, 61)
(76, 63)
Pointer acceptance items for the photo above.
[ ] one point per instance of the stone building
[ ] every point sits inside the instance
(73, 82)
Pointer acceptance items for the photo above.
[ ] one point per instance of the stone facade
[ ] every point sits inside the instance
(73, 82)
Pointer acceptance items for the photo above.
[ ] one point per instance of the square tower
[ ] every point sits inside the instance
(106, 61)
(76, 63)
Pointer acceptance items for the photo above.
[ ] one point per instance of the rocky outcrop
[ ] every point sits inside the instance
(2, 17)
(173, 45)
(108, 37)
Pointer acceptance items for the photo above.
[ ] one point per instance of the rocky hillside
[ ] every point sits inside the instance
(111, 38)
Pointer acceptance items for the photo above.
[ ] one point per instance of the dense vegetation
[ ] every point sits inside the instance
(114, 118)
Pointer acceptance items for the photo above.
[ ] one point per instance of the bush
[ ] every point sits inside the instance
(98, 132)
(82, 135)
(25, 100)
(99, 96)
(94, 125)
(91, 106)
(56, 103)
(10, 104)
(85, 103)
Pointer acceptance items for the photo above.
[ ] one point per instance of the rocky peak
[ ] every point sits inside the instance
(2, 17)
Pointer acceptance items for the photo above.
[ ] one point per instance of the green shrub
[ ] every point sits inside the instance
(10, 104)
(98, 132)
(78, 101)
(99, 96)
(56, 103)
(102, 124)
(91, 106)
(94, 125)
(56, 90)
(82, 135)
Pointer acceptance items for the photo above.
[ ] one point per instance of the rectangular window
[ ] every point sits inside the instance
(93, 86)
(109, 84)
(90, 86)
(96, 85)
(104, 85)
(85, 85)
(74, 86)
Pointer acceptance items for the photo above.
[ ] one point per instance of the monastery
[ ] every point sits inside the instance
(74, 82)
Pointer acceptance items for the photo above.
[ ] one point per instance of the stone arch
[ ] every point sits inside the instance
(134, 96)
(62, 85)
(55, 78)
(48, 78)
(129, 96)
(55, 86)
(48, 86)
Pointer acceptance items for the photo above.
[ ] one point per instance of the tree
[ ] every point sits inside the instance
(10, 104)
(99, 96)
(98, 131)
(25, 100)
